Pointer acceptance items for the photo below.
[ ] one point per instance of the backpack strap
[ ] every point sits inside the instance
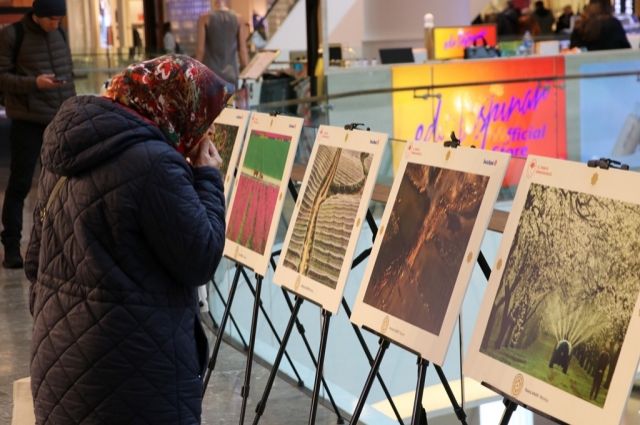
(19, 29)
(54, 194)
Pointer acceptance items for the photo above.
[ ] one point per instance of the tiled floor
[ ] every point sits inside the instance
(287, 404)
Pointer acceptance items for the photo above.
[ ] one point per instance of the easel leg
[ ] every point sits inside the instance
(360, 258)
(252, 340)
(276, 363)
(509, 408)
(462, 416)
(270, 323)
(367, 353)
(302, 333)
(223, 323)
(484, 265)
(233, 321)
(326, 318)
(417, 403)
(384, 344)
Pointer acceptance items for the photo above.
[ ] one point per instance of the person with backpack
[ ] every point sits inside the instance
(35, 78)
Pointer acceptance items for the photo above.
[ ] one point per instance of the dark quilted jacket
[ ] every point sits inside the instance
(40, 53)
(114, 269)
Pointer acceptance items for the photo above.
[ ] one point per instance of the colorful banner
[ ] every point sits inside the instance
(450, 42)
(518, 118)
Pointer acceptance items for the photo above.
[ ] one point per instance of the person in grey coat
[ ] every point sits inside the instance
(129, 221)
(35, 77)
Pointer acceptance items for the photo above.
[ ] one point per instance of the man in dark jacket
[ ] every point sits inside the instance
(35, 77)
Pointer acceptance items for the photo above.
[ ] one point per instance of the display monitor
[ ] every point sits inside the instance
(397, 55)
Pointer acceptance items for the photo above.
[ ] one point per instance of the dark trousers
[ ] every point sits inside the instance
(26, 140)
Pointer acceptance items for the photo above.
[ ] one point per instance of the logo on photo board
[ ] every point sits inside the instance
(385, 324)
(532, 168)
(518, 384)
(539, 169)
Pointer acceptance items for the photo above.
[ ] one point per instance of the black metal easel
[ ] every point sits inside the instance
(359, 259)
(257, 306)
(326, 317)
(233, 321)
(418, 414)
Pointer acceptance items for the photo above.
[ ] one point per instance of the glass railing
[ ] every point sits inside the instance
(576, 107)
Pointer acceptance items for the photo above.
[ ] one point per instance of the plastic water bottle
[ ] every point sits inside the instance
(527, 43)
(429, 24)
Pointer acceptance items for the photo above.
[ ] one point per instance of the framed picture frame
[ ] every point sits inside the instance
(558, 326)
(260, 188)
(327, 218)
(428, 241)
(227, 133)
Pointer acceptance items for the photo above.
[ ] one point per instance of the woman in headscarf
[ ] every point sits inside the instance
(129, 222)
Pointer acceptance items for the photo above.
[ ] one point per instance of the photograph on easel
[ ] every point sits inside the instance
(438, 209)
(419, 259)
(318, 243)
(561, 310)
(564, 303)
(227, 133)
(330, 211)
(259, 189)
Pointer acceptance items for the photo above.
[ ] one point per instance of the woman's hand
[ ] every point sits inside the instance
(206, 155)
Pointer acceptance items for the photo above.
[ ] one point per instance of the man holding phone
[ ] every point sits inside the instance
(35, 77)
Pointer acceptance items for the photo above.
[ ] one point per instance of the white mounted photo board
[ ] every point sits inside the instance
(429, 238)
(260, 188)
(559, 323)
(227, 133)
(330, 211)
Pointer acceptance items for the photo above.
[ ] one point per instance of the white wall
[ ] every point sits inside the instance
(367, 25)
(400, 23)
(292, 34)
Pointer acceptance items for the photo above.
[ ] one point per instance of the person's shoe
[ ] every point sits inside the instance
(12, 259)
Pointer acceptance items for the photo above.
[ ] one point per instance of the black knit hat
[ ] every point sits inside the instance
(45, 8)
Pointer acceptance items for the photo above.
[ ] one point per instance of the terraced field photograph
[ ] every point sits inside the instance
(224, 137)
(256, 194)
(424, 244)
(568, 291)
(327, 214)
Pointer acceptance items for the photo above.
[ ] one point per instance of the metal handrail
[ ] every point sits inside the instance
(435, 87)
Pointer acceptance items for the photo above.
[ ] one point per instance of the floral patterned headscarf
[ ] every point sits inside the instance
(178, 93)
